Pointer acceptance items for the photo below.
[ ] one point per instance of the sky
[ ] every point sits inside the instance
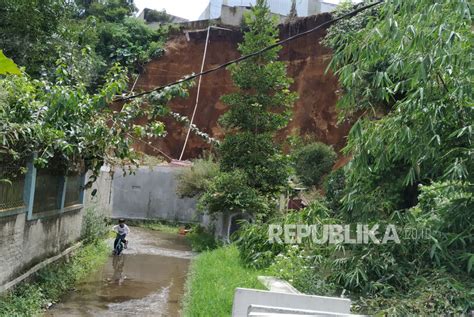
(188, 9)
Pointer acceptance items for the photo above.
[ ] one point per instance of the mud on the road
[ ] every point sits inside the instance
(146, 280)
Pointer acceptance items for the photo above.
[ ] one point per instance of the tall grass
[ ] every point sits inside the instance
(212, 280)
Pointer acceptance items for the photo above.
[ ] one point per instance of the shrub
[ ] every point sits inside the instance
(255, 248)
(94, 226)
(195, 181)
(230, 192)
(202, 239)
(296, 267)
(313, 161)
(334, 185)
(131, 43)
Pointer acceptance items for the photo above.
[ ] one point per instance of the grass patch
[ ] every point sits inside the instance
(202, 240)
(212, 280)
(30, 298)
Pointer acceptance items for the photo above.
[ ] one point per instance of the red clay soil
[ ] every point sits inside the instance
(313, 114)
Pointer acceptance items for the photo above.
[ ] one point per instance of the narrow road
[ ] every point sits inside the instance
(146, 280)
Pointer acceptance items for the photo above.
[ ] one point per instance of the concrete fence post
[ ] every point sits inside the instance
(30, 184)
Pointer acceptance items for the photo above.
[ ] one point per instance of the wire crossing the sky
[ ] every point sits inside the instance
(242, 58)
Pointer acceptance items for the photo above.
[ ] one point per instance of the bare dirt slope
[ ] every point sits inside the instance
(314, 112)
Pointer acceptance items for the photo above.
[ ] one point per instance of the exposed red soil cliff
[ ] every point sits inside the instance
(314, 113)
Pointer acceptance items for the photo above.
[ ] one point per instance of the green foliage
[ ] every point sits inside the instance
(430, 294)
(312, 162)
(212, 280)
(334, 186)
(377, 274)
(257, 156)
(94, 226)
(254, 246)
(157, 16)
(202, 240)
(411, 62)
(253, 168)
(131, 43)
(255, 250)
(109, 10)
(51, 282)
(65, 124)
(7, 66)
(195, 180)
(38, 33)
(295, 265)
(446, 209)
(28, 30)
(230, 192)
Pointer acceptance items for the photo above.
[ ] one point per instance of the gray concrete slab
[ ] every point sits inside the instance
(245, 297)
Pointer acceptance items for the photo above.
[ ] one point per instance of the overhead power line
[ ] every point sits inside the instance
(245, 57)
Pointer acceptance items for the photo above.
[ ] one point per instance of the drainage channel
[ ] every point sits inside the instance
(146, 280)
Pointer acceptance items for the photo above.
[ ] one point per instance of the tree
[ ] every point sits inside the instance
(109, 10)
(29, 29)
(293, 13)
(35, 34)
(157, 16)
(67, 127)
(406, 68)
(312, 162)
(260, 107)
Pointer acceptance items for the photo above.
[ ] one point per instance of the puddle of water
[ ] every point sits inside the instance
(147, 280)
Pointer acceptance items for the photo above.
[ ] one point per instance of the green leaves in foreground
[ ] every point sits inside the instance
(7, 66)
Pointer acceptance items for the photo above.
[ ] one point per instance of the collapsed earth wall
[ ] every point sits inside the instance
(313, 114)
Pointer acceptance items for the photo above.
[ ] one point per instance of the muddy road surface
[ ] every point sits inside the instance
(146, 280)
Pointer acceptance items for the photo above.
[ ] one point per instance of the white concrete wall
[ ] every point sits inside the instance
(234, 15)
(282, 7)
(150, 193)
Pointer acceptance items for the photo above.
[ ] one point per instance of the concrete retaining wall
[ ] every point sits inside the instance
(24, 243)
(100, 195)
(150, 193)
